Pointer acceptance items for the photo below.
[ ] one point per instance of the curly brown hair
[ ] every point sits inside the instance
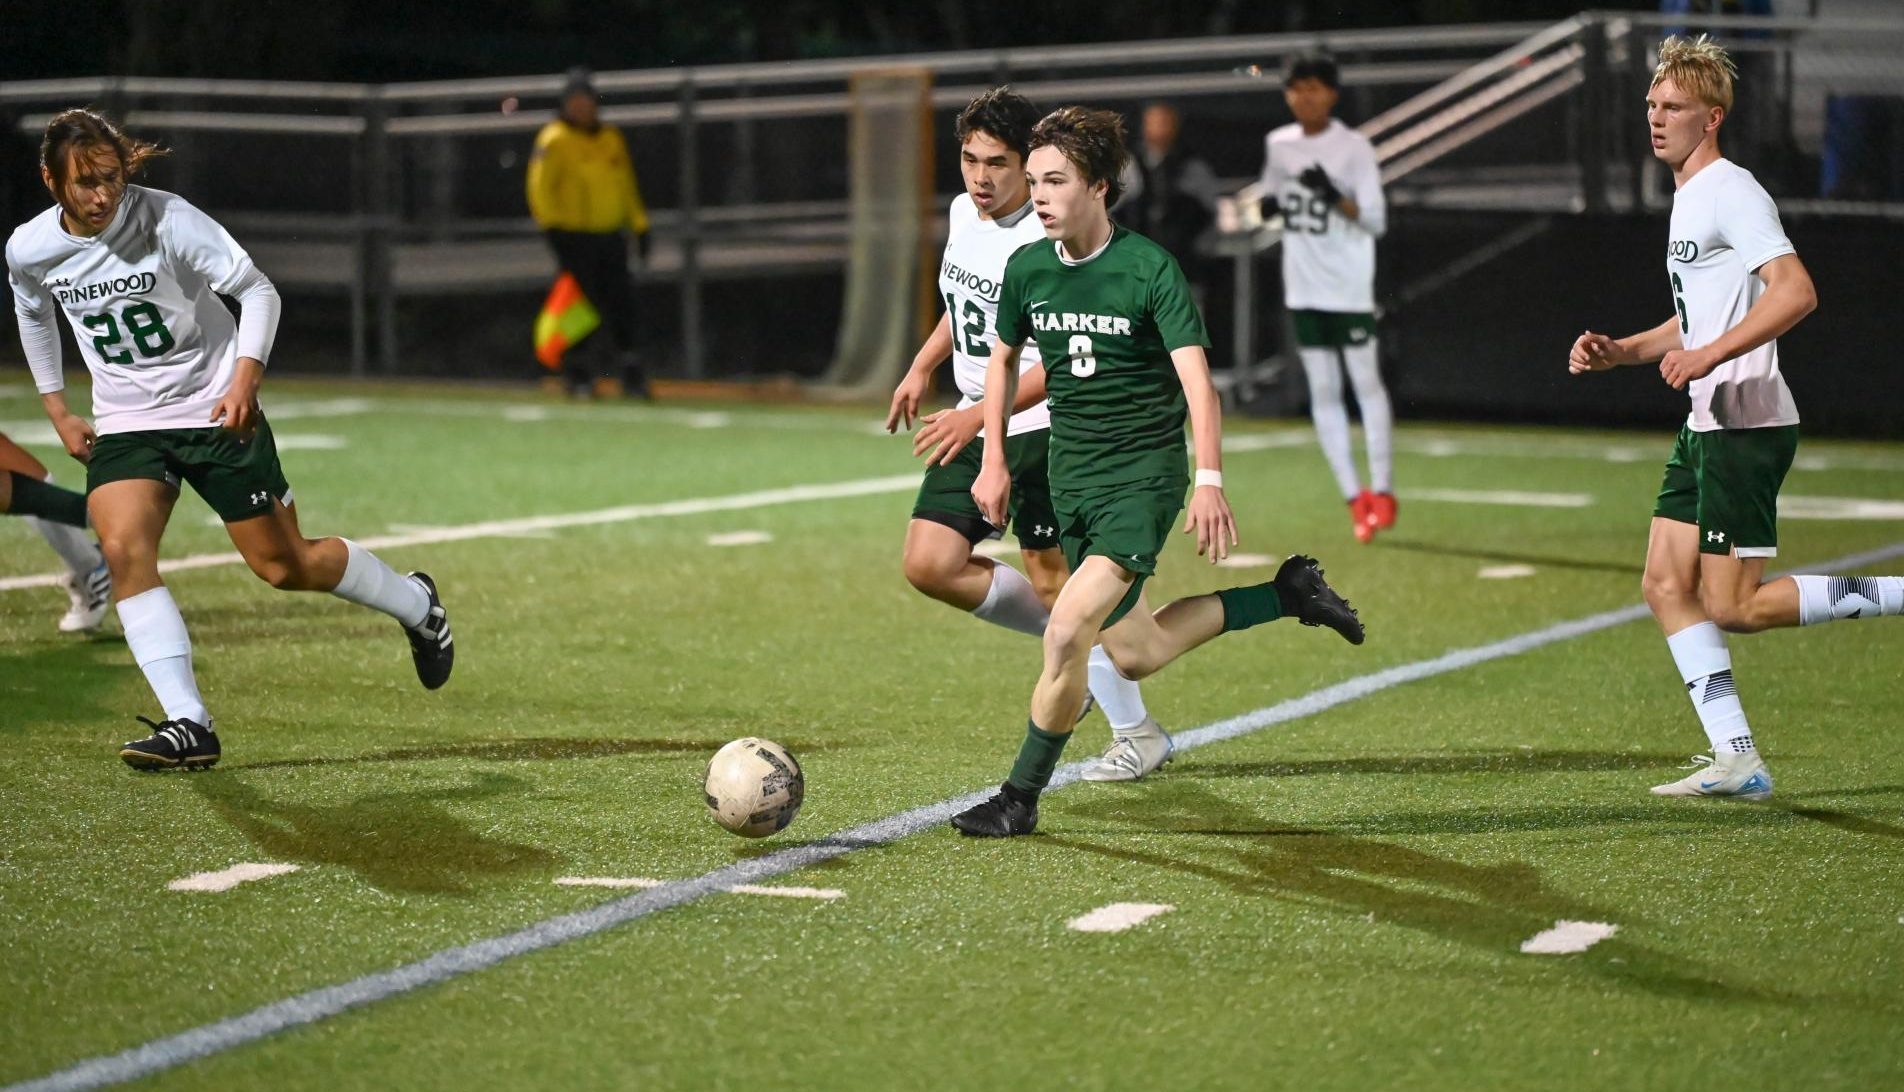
(1093, 140)
(1003, 114)
(85, 130)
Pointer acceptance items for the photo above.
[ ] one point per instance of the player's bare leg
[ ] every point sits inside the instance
(939, 562)
(130, 517)
(277, 551)
(1673, 588)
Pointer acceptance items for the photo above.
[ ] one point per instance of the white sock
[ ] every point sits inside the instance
(74, 546)
(368, 582)
(1829, 598)
(1119, 697)
(1331, 417)
(1378, 420)
(1706, 666)
(1012, 602)
(155, 631)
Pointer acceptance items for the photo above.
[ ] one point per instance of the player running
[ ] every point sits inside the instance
(59, 515)
(1122, 348)
(1737, 285)
(1323, 177)
(138, 273)
(987, 222)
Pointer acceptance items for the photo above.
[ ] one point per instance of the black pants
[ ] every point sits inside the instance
(598, 260)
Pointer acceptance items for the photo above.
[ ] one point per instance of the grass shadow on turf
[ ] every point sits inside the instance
(1490, 907)
(1438, 762)
(73, 681)
(406, 842)
(1547, 561)
(532, 749)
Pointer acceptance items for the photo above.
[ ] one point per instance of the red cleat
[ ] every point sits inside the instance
(1382, 508)
(1362, 516)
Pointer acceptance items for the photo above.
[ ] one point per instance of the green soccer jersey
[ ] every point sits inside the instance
(1106, 326)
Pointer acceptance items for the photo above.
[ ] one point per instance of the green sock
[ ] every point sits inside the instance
(1250, 606)
(33, 497)
(1036, 759)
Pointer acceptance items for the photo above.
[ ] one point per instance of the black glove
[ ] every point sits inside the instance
(1320, 184)
(643, 244)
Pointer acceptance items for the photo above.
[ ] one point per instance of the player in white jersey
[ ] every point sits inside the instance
(1323, 177)
(1737, 285)
(59, 515)
(986, 225)
(138, 273)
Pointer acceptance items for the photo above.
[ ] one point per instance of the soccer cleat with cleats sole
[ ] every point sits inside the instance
(1000, 816)
(1738, 777)
(1132, 754)
(1300, 583)
(430, 644)
(173, 745)
(90, 597)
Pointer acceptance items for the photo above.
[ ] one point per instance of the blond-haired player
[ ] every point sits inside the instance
(1737, 284)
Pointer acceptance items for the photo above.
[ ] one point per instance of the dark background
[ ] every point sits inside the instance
(388, 40)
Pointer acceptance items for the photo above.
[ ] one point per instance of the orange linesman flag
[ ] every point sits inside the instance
(567, 317)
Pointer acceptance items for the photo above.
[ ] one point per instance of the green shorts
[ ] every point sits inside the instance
(1128, 523)
(239, 478)
(1333, 329)
(1726, 483)
(945, 496)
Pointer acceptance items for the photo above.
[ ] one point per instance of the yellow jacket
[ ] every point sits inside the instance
(583, 181)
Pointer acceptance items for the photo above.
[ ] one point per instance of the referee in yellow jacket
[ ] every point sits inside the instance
(582, 193)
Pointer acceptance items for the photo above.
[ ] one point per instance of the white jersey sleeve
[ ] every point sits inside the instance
(205, 247)
(33, 310)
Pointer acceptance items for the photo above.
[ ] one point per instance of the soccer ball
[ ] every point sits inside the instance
(754, 787)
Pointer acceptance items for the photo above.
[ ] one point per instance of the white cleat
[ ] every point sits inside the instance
(1132, 754)
(1742, 777)
(91, 597)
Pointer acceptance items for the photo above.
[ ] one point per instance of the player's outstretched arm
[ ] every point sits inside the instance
(1595, 352)
(1208, 516)
(918, 381)
(1789, 296)
(992, 490)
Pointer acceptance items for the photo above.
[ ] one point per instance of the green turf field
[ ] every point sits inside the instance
(1350, 889)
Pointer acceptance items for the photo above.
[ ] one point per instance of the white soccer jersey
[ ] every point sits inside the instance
(1328, 259)
(970, 275)
(1724, 228)
(161, 346)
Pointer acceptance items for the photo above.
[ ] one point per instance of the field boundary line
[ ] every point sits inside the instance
(505, 528)
(311, 1006)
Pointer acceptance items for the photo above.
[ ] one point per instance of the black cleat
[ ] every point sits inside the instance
(430, 640)
(173, 745)
(1001, 816)
(1312, 601)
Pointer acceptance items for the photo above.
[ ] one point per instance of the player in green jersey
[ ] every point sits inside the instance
(1123, 351)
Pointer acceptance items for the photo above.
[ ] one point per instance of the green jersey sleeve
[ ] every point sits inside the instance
(1010, 324)
(1175, 313)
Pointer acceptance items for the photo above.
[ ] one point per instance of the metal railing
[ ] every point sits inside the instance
(382, 192)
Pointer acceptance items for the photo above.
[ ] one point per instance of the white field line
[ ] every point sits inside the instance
(1507, 497)
(738, 889)
(1505, 572)
(226, 879)
(511, 528)
(1247, 561)
(740, 538)
(1118, 917)
(174, 1050)
(1845, 508)
(1568, 937)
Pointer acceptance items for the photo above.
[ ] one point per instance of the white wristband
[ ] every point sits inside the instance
(1209, 477)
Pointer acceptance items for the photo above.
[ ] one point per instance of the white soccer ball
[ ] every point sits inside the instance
(754, 787)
